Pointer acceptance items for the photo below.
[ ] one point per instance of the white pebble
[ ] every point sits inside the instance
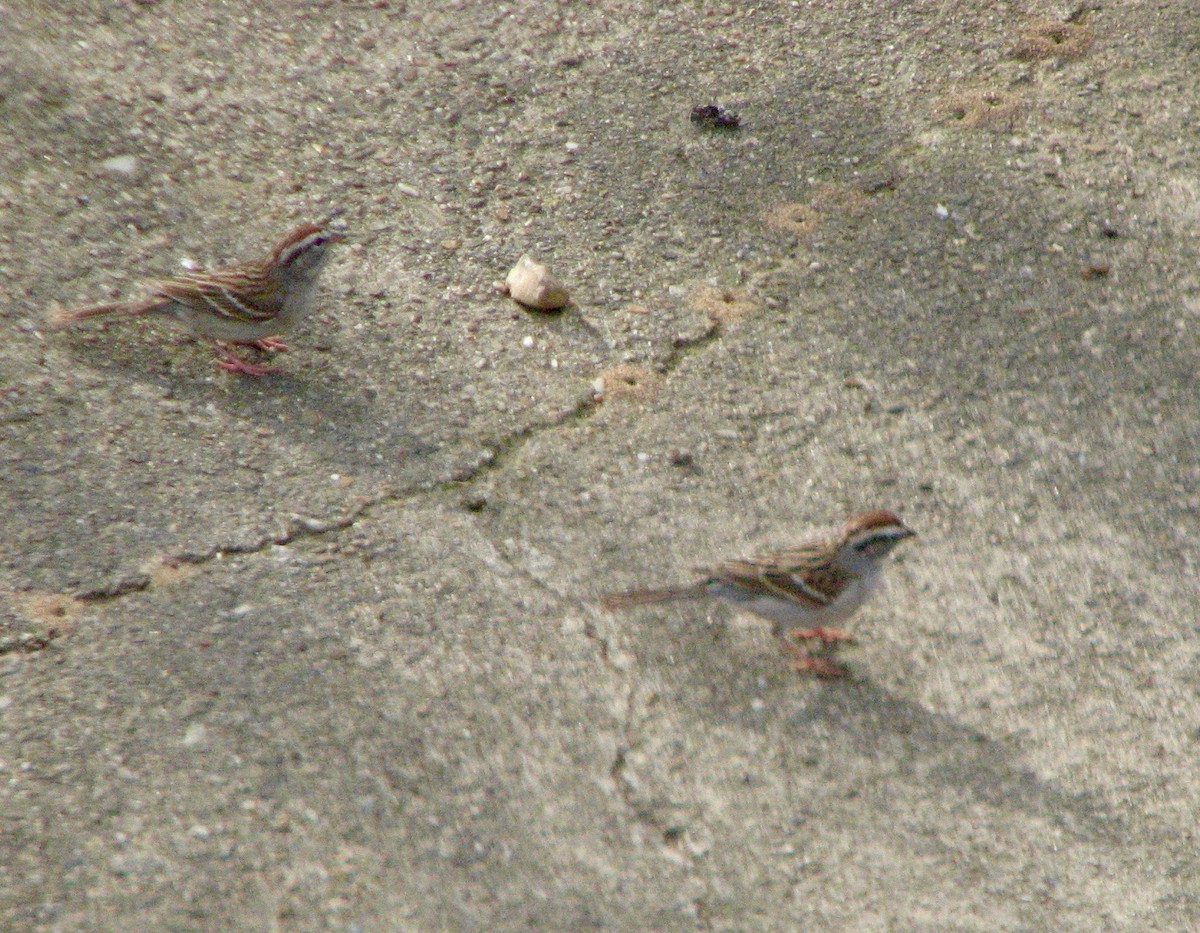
(121, 165)
(531, 284)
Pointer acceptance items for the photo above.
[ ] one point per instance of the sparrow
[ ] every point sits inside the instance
(247, 303)
(803, 591)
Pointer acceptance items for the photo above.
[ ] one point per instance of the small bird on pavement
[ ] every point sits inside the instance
(803, 591)
(248, 303)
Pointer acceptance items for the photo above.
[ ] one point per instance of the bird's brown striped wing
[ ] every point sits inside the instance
(225, 293)
(804, 576)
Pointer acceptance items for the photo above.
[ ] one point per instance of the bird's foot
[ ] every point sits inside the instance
(803, 662)
(231, 362)
(827, 636)
(272, 345)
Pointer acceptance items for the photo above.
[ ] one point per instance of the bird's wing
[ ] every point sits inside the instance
(220, 291)
(804, 575)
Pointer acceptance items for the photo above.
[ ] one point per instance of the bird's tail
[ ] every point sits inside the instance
(57, 318)
(647, 597)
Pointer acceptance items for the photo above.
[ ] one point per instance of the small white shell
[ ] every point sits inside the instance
(126, 165)
(532, 285)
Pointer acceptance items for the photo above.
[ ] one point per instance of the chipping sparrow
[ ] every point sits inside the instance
(818, 584)
(247, 303)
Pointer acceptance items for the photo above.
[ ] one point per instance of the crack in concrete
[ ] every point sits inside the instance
(681, 349)
(669, 834)
(603, 646)
(498, 454)
(501, 451)
(299, 527)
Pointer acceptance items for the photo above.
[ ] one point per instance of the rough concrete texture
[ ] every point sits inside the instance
(321, 651)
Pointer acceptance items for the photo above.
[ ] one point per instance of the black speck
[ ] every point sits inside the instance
(711, 116)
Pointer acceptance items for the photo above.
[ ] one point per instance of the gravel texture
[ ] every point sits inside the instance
(320, 650)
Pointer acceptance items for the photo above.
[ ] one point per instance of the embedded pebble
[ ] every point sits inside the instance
(121, 165)
(531, 284)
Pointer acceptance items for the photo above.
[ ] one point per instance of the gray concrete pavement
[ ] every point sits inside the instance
(321, 650)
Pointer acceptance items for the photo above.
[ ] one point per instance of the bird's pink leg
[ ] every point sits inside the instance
(805, 663)
(230, 361)
(273, 344)
(828, 636)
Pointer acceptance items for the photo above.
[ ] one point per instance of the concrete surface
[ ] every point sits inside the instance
(320, 650)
